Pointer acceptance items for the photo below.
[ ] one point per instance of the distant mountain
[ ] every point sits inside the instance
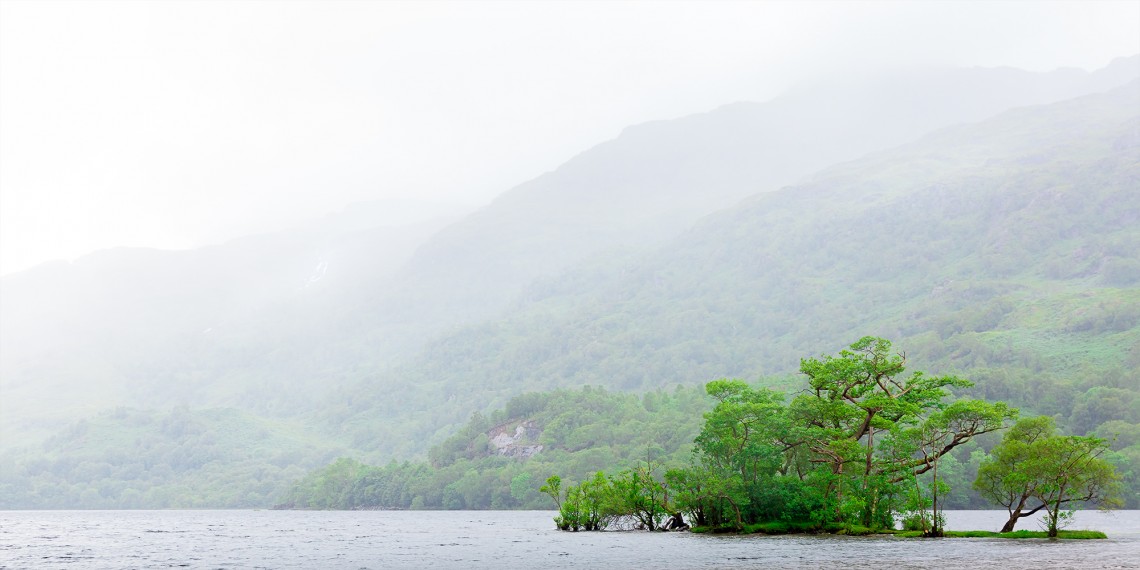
(135, 326)
(653, 182)
(1005, 249)
(656, 179)
(266, 323)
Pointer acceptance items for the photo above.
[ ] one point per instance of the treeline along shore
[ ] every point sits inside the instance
(859, 447)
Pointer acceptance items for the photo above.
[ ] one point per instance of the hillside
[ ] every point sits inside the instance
(500, 460)
(141, 327)
(269, 323)
(128, 458)
(1005, 250)
(656, 179)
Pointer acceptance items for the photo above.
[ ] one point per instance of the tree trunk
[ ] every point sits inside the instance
(1054, 514)
(869, 513)
(1013, 516)
(935, 524)
(839, 492)
(736, 509)
(922, 514)
(1055, 511)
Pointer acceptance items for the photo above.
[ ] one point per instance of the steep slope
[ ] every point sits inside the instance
(983, 247)
(656, 179)
(266, 323)
(1005, 249)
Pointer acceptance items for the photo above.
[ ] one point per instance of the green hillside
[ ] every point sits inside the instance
(268, 324)
(128, 458)
(1004, 250)
(500, 460)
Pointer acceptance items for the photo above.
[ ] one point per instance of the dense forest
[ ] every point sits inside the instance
(1002, 251)
(500, 460)
(859, 442)
(1011, 261)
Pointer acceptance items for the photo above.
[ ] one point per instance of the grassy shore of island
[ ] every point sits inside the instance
(779, 528)
(1070, 534)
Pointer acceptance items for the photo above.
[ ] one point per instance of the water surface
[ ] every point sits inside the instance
(509, 539)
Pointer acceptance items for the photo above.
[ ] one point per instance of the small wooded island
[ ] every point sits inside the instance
(859, 447)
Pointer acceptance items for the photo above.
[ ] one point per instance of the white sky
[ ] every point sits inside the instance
(175, 124)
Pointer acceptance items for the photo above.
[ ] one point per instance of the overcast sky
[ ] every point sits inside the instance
(176, 124)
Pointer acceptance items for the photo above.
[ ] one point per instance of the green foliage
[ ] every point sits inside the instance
(1002, 251)
(932, 439)
(179, 458)
(552, 488)
(1034, 469)
(759, 462)
(581, 433)
(1071, 469)
(1004, 477)
(632, 498)
(639, 496)
(995, 260)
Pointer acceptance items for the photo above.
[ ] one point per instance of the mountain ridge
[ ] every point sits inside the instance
(726, 296)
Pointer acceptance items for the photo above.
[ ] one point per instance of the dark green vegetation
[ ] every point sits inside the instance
(994, 265)
(129, 458)
(1034, 468)
(495, 462)
(860, 446)
(1002, 251)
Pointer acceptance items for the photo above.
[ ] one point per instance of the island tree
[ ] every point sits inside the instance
(932, 440)
(1034, 469)
(862, 394)
(863, 441)
(1004, 478)
(1069, 470)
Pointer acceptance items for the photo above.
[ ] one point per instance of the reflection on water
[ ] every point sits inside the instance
(509, 539)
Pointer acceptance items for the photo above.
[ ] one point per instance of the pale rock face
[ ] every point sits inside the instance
(517, 443)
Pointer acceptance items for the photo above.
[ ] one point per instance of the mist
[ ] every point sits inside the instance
(738, 267)
(185, 124)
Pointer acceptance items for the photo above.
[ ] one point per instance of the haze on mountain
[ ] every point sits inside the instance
(182, 124)
(984, 218)
(264, 323)
(1003, 248)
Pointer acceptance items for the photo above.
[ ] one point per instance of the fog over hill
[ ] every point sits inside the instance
(1005, 249)
(730, 242)
(130, 327)
(658, 178)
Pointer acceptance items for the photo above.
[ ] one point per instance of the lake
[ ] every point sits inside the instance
(509, 539)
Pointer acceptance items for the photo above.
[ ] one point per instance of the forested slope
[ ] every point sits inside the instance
(1004, 250)
(266, 323)
(656, 179)
(499, 460)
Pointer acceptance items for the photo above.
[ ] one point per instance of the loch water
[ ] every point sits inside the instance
(439, 540)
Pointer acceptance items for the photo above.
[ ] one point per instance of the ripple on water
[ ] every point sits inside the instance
(443, 540)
